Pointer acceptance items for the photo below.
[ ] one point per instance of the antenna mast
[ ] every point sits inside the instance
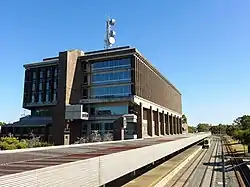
(110, 34)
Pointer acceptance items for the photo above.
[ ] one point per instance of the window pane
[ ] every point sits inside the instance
(39, 97)
(40, 86)
(33, 87)
(103, 78)
(111, 64)
(34, 75)
(111, 91)
(110, 110)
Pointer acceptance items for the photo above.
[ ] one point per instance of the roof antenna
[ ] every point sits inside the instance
(110, 33)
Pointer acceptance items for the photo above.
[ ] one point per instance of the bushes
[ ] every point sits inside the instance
(95, 137)
(10, 143)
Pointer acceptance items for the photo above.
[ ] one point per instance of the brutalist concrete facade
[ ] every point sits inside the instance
(153, 99)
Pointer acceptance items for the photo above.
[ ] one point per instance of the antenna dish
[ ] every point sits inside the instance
(112, 33)
(112, 21)
(111, 40)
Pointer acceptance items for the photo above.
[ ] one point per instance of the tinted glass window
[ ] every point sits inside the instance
(111, 110)
(122, 90)
(112, 64)
(99, 78)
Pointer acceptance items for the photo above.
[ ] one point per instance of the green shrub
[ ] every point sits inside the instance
(9, 143)
(22, 144)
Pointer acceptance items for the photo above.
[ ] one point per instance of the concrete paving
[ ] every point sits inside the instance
(16, 162)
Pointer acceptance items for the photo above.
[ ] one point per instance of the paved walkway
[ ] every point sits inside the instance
(16, 162)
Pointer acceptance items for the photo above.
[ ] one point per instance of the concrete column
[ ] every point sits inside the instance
(175, 127)
(88, 129)
(142, 128)
(176, 124)
(180, 125)
(171, 124)
(163, 123)
(103, 130)
(158, 123)
(152, 121)
(168, 124)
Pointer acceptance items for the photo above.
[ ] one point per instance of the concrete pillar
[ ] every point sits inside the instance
(176, 124)
(180, 125)
(175, 127)
(158, 123)
(103, 130)
(171, 124)
(142, 128)
(168, 123)
(163, 124)
(152, 121)
(88, 129)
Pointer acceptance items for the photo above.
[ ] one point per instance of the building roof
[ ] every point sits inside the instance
(30, 122)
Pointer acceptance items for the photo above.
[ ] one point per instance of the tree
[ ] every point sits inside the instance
(203, 127)
(2, 123)
(230, 129)
(242, 130)
(243, 122)
(191, 129)
(184, 119)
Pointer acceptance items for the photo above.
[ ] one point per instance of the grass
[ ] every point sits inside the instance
(238, 147)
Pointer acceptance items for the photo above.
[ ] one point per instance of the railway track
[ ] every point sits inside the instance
(188, 175)
(206, 169)
(241, 177)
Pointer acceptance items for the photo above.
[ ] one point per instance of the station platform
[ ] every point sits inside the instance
(164, 171)
(92, 164)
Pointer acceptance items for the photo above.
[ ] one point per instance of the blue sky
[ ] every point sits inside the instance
(203, 47)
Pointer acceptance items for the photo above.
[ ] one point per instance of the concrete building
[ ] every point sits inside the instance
(108, 84)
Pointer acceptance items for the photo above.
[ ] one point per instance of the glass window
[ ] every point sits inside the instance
(100, 78)
(39, 97)
(41, 73)
(84, 92)
(33, 98)
(85, 79)
(109, 126)
(48, 73)
(40, 86)
(40, 112)
(121, 90)
(33, 86)
(55, 96)
(95, 126)
(112, 64)
(55, 73)
(47, 97)
(111, 110)
(34, 75)
(47, 85)
(55, 85)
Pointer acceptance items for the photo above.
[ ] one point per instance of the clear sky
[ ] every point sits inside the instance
(202, 47)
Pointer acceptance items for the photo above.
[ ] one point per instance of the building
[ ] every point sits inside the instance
(108, 84)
